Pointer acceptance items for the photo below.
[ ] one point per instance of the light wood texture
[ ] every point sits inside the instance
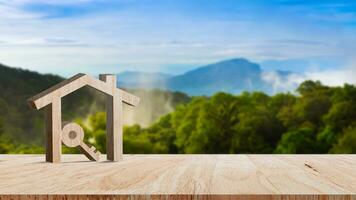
(53, 125)
(114, 138)
(51, 99)
(183, 176)
(179, 197)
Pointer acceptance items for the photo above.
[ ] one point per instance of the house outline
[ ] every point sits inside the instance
(50, 100)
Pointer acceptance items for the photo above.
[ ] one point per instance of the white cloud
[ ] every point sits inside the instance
(333, 77)
(289, 82)
(282, 83)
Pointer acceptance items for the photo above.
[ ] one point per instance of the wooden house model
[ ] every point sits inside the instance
(50, 99)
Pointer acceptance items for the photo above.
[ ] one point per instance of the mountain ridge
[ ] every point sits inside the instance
(233, 76)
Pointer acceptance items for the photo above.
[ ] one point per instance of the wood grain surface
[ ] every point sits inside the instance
(180, 177)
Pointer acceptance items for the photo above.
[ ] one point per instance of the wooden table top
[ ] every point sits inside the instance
(180, 174)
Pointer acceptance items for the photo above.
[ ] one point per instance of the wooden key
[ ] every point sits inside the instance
(73, 136)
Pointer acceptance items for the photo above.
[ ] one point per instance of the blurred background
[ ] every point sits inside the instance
(232, 76)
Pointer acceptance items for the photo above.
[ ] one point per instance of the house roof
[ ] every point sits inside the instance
(74, 83)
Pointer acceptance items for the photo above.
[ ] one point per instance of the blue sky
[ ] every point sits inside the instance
(70, 36)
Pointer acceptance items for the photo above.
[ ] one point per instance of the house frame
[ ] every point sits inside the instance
(50, 100)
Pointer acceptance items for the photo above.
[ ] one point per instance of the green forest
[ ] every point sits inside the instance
(314, 119)
(319, 119)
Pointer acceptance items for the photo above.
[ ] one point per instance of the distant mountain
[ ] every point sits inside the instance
(233, 76)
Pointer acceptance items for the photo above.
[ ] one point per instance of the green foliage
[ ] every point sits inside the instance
(300, 141)
(347, 142)
(325, 139)
(256, 123)
(5, 145)
(341, 115)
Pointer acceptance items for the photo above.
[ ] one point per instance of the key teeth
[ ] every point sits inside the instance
(92, 148)
(97, 154)
(91, 152)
